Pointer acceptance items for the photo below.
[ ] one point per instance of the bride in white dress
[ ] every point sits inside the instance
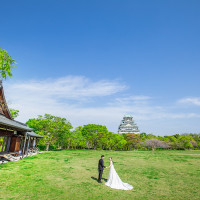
(114, 180)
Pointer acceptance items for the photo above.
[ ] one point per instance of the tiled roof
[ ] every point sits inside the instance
(14, 125)
(32, 134)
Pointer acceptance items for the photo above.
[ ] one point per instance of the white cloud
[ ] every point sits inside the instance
(182, 115)
(70, 87)
(132, 99)
(190, 100)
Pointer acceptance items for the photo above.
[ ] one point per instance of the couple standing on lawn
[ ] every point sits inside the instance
(114, 180)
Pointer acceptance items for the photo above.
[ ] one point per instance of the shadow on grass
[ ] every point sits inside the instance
(92, 177)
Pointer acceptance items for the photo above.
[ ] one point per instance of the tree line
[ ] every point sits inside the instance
(58, 134)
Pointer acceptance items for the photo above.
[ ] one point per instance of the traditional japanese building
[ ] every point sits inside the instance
(15, 137)
(128, 125)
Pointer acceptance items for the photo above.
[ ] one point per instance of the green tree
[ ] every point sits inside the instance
(93, 134)
(76, 139)
(188, 145)
(133, 141)
(54, 129)
(184, 141)
(143, 134)
(117, 142)
(6, 64)
(173, 141)
(194, 139)
(14, 113)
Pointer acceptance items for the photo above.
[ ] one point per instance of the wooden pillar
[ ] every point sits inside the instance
(23, 151)
(34, 142)
(8, 144)
(28, 145)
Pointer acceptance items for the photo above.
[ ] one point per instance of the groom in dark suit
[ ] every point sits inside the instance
(100, 168)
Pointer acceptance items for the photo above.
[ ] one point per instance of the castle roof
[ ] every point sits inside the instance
(127, 115)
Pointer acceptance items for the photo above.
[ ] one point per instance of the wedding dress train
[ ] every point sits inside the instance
(115, 182)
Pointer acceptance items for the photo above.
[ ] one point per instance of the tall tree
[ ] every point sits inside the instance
(76, 139)
(6, 64)
(93, 133)
(117, 142)
(54, 129)
(133, 140)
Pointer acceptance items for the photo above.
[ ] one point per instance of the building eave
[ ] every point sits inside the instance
(13, 125)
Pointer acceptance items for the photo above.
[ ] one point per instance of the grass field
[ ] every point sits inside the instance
(71, 174)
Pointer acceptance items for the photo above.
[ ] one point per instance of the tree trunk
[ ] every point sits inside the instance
(47, 148)
(88, 144)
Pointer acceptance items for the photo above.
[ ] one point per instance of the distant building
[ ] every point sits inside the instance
(128, 125)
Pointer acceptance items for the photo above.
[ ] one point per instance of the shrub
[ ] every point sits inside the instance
(42, 147)
(52, 147)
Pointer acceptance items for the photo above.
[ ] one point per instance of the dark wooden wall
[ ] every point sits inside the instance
(15, 144)
(4, 132)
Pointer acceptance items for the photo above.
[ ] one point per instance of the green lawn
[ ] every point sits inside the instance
(71, 174)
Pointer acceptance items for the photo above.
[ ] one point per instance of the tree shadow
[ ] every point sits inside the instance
(92, 177)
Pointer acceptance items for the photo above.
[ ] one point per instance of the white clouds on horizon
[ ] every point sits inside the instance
(61, 97)
(132, 99)
(190, 101)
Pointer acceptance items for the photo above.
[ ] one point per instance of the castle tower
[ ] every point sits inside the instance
(128, 125)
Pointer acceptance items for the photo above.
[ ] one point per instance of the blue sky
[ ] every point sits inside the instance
(94, 61)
